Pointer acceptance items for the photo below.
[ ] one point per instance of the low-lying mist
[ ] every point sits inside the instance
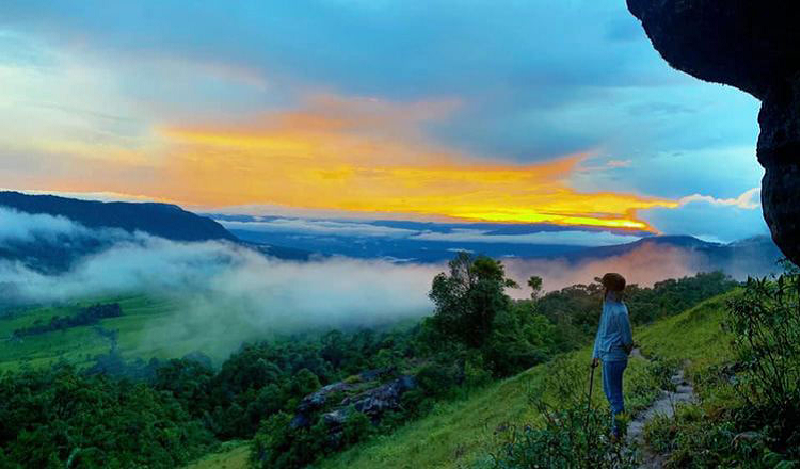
(644, 266)
(227, 293)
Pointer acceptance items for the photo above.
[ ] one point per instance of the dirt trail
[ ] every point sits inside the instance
(664, 405)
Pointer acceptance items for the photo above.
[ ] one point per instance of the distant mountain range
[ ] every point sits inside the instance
(407, 241)
(53, 254)
(757, 255)
(161, 220)
(748, 248)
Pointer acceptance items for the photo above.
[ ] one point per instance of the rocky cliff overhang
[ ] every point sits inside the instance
(753, 45)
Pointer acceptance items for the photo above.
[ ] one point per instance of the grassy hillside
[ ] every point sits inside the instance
(461, 434)
(695, 336)
(143, 316)
(233, 455)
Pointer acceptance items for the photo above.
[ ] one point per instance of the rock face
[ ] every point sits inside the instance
(376, 401)
(370, 398)
(752, 45)
(316, 401)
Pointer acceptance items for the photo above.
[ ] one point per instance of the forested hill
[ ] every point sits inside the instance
(305, 398)
(165, 221)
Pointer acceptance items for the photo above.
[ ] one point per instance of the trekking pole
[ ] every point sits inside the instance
(591, 387)
(589, 416)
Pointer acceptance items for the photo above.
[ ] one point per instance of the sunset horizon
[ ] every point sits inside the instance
(258, 121)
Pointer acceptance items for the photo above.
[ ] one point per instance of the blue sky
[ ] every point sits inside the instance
(134, 98)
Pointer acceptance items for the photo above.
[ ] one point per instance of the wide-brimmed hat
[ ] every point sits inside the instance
(614, 282)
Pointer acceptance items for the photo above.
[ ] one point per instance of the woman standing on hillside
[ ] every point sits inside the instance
(613, 344)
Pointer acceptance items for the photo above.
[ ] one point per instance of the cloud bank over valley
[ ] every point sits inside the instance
(227, 292)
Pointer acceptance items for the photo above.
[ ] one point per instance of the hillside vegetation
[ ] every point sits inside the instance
(442, 393)
(468, 432)
(746, 367)
(162, 220)
(463, 434)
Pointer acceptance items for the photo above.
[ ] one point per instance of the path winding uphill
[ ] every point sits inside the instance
(664, 406)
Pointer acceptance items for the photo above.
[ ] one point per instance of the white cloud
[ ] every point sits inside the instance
(320, 214)
(454, 235)
(227, 293)
(711, 218)
(747, 200)
(459, 250)
(618, 163)
(25, 227)
(643, 266)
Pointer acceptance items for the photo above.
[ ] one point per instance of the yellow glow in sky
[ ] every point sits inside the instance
(326, 162)
(342, 154)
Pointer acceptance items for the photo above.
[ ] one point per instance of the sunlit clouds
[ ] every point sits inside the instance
(370, 155)
(535, 112)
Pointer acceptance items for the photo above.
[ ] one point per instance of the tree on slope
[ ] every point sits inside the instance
(469, 297)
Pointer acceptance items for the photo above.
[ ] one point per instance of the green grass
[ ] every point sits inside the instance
(146, 330)
(695, 337)
(461, 434)
(232, 455)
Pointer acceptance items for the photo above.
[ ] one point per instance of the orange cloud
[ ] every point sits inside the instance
(370, 155)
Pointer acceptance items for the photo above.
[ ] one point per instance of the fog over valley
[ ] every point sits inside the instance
(229, 292)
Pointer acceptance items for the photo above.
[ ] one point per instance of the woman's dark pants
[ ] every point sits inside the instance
(612, 385)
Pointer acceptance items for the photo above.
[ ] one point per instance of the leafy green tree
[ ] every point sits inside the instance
(189, 382)
(535, 283)
(468, 298)
(521, 338)
(305, 382)
(55, 416)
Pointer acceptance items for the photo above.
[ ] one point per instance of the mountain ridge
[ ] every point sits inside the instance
(174, 223)
(58, 254)
(161, 220)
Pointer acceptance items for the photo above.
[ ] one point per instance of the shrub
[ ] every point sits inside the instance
(573, 437)
(695, 439)
(279, 445)
(752, 405)
(765, 322)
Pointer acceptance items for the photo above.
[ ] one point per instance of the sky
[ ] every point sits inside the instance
(519, 112)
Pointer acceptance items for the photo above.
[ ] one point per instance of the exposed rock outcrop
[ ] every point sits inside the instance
(317, 400)
(375, 402)
(752, 45)
(368, 397)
